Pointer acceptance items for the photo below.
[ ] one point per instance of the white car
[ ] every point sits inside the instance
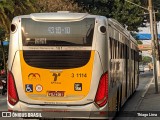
(146, 68)
(141, 68)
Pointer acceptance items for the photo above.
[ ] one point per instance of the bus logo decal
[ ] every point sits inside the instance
(34, 76)
(56, 76)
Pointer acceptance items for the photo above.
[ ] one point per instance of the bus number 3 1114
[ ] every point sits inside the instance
(80, 75)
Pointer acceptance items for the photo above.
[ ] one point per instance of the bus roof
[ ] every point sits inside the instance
(122, 29)
(58, 16)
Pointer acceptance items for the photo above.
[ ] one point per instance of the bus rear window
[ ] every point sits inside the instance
(77, 33)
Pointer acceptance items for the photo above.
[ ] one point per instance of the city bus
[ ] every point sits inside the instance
(76, 65)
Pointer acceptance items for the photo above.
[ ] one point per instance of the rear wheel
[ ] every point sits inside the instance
(117, 103)
(119, 100)
(120, 103)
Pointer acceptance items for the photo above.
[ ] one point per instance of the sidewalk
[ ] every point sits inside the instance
(150, 104)
(151, 100)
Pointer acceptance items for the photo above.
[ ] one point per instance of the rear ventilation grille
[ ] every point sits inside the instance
(56, 59)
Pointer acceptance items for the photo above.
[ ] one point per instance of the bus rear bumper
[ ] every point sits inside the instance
(89, 111)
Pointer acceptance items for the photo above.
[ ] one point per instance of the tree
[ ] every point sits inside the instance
(100, 7)
(146, 59)
(6, 9)
(12, 8)
(127, 14)
(156, 7)
(23, 7)
(139, 42)
(156, 4)
(2, 36)
(57, 5)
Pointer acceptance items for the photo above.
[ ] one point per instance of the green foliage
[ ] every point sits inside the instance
(156, 7)
(139, 42)
(127, 14)
(6, 9)
(12, 8)
(146, 59)
(156, 4)
(100, 7)
(2, 34)
(57, 5)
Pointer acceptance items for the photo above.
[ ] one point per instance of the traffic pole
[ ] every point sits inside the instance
(150, 9)
(157, 44)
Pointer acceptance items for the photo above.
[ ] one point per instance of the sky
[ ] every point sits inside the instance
(146, 30)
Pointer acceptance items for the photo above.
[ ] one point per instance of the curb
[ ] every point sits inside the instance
(144, 93)
(146, 88)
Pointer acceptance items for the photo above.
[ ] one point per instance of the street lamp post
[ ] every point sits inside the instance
(150, 9)
(156, 44)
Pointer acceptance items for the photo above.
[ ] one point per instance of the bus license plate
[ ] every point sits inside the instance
(56, 93)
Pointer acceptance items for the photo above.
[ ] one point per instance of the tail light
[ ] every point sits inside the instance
(12, 92)
(102, 91)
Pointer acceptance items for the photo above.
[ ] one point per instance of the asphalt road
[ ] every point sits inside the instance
(3, 105)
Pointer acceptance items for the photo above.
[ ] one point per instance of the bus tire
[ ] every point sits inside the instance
(120, 103)
(117, 103)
